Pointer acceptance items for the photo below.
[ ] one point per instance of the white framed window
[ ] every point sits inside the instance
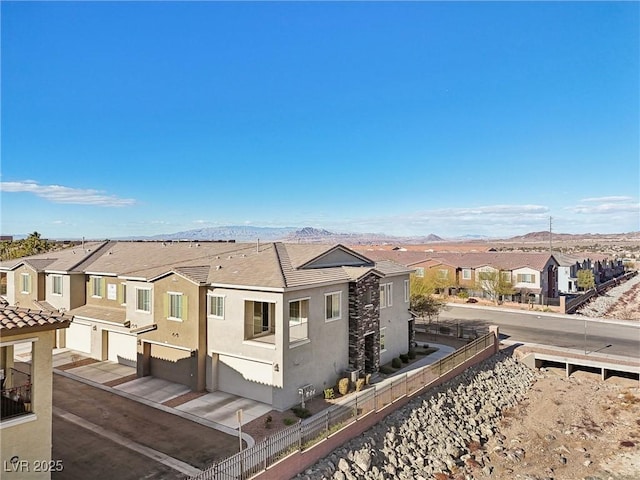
(420, 272)
(406, 291)
(143, 300)
(175, 306)
(215, 306)
(97, 287)
(56, 284)
(386, 295)
(466, 274)
(261, 316)
(526, 278)
(333, 306)
(298, 320)
(383, 339)
(25, 283)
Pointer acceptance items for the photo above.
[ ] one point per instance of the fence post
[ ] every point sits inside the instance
(299, 435)
(326, 423)
(496, 337)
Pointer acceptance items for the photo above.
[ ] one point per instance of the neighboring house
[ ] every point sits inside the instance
(602, 267)
(260, 321)
(25, 414)
(532, 275)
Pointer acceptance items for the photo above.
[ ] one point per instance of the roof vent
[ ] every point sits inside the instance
(229, 257)
(218, 267)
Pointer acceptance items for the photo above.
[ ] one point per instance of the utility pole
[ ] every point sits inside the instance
(550, 234)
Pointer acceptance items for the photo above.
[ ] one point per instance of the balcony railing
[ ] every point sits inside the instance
(16, 401)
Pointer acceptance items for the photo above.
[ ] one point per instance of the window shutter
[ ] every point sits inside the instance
(103, 287)
(29, 283)
(119, 295)
(184, 307)
(166, 305)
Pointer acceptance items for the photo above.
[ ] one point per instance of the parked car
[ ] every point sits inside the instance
(472, 300)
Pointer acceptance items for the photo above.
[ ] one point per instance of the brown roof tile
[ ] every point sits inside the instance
(18, 320)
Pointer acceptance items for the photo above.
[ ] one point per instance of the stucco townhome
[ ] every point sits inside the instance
(256, 320)
(26, 393)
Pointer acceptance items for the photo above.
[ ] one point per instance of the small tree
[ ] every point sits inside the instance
(495, 283)
(586, 279)
(426, 306)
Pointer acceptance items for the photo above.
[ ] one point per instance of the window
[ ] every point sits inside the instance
(97, 286)
(263, 313)
(175, 306)
(143, 300)
(332, 303)
(386, 295)
(383, 335)
(406, 291)
(466, 274)
(526, 278)
(56, 284)
(216, 306)
(420, 272)
(26, 283)
(298, 320)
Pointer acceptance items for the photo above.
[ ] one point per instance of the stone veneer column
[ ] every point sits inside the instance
(364, 318)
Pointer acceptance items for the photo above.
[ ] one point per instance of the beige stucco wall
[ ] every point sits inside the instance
(526, 271)
(395, 319)
(138, 318)
(103, 300)
(226, 337)
(322, 360)
(29, 437)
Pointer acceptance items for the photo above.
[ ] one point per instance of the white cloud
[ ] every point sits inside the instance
(606, 206)
(62, 194)
(609, 199)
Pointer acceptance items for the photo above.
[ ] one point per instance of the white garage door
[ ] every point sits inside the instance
(122, 348)
(78, 337)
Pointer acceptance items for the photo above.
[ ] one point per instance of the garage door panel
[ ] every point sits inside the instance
(78, 337)
(122, 348)
(171, 364)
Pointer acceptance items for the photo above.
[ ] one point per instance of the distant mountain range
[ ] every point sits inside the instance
(286, 234)
(243, 233)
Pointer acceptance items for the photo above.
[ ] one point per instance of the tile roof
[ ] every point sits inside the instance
(500, 260)
(115, 315)
(66, 260)
(14, 320)
(269, 265)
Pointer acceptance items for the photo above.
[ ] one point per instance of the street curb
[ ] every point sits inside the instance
(187, 416)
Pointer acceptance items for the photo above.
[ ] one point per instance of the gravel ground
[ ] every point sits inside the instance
(621, 302)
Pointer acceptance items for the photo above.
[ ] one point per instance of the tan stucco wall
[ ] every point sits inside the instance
(31, 441)
(138, 318)
(102, 301)
(24, 299)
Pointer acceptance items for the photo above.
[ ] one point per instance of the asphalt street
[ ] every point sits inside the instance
(575, 332)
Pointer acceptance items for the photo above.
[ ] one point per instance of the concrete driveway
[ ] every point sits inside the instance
(98, 434)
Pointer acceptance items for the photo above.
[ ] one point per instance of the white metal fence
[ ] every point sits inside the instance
(306, 433)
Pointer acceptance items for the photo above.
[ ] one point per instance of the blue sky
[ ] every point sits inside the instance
(406, 118)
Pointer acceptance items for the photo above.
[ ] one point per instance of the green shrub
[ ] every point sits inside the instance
(288, 421)
(404, 358)
(396, 363)
(412, 354)
(463, 294)
(360, 384)
(267, 421)
(386, 370)
(301, 412)
(343, 386)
